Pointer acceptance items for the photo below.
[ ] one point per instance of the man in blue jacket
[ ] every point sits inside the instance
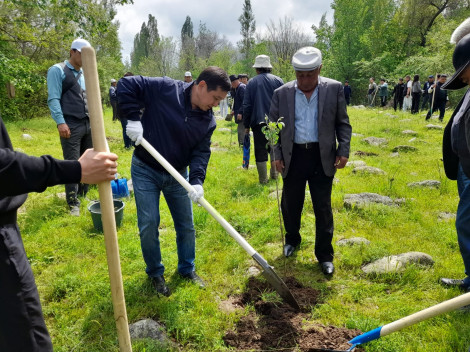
(178, 122)
(256, 103)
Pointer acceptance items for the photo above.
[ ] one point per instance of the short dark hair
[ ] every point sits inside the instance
(127, 74)
(215, 77)
(260, 70)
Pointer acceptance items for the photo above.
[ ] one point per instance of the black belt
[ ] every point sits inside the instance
(8, 218)
(306, 145)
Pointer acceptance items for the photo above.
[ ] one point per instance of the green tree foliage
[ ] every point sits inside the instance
(36, 34)
(188, 46)
(247, 30)
(145, 42)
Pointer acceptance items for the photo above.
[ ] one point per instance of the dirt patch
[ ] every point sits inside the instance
(276, 325)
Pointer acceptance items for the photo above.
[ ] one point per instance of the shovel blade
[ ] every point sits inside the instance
(279, 285)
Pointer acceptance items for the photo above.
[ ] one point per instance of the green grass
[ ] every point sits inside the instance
(69, 260)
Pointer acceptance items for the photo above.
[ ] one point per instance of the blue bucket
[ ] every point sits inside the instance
(119, 188)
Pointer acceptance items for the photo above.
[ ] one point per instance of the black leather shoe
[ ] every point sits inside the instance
(327, 268)
(160, 286)
(453, 282)
(289, 250)
(192, 276)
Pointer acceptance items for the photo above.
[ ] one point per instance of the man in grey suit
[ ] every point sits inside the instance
(313, 144)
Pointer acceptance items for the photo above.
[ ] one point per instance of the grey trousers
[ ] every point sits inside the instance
(72, 149)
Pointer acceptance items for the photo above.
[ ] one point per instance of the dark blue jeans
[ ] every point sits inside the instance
(462, 222)
(148, 184)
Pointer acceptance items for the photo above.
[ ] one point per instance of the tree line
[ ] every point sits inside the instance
(368, 38)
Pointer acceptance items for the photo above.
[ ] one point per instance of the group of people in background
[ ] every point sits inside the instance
(407, 94)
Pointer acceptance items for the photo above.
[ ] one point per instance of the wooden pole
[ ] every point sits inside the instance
(106, 199)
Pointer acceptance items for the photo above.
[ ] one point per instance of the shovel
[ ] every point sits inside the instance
(268, 271)
(441, 308)
(106, 199)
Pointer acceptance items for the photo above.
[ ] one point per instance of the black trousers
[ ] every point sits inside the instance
(306, 167)
(260, 142)
(415, 102)
(426, 101)
(441, 105)
(22, 326)
(72, 149)
(114, 106)
(398, 102)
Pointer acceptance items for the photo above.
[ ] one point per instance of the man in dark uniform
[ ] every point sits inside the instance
(426, 96)
(398, 94)
(238, 92)
(22, 326)
(456, 147)
(440, 98)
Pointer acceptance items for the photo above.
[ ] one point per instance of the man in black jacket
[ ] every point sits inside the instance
(398, 96)
(456, 147)
(440, 98)
(22, 326)
(238, 92)
(426, 96)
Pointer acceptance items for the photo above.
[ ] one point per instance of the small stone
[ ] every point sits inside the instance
(394, 155)
(355, 163)
(375, 141)
(369, 170)
(357, 135)
(433, 127)
(253, 271)
(223, 129)
(359, 107)
(362, 153)
(353, 241)
(404, 148)
(149, 329)
(26, 136)
(409, 132)
(426, 184)
(365, 199)
(412, 140)
(443, 216)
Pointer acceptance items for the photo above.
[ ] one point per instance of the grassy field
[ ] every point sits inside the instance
(69, 260)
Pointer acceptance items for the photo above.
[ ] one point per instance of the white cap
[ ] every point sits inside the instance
(79, 43)
(262, 61)
(187, 74)
(113, 80)
(307, 58)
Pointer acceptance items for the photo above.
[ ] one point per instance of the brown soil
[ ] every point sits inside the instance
(278, 326)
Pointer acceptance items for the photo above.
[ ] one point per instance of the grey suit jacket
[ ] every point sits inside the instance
(334, 130)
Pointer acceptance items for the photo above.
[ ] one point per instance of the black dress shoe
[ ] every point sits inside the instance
(453, 282)
(289, 250)
(327, 268)
(160, 286)
(192, 276)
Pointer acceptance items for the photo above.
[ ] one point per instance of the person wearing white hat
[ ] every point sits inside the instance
(456, 147)
(188, 78)
(113, 98)
(68, 105)
(256, 104)
(313, 144)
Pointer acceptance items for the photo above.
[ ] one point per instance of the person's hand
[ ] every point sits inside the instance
(196, 194)
(135, 131)
(97, 167)
(340, 162)
(239, 117)
(64, 130)
(278, 165)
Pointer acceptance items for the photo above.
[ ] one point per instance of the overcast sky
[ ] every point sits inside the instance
(219, 16)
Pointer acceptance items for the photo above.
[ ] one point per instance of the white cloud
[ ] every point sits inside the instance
(218, 16)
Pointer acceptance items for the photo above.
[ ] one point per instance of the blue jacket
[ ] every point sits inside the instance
(182, 135)
(257, 100)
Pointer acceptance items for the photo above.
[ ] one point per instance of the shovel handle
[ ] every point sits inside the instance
(106, 199)
(182, 181)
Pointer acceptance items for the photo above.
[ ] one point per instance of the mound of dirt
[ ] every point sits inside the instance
(276, 325)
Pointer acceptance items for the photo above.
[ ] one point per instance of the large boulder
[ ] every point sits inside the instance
(425, 184)
(366, 199)
(149, 329)
(398, 263)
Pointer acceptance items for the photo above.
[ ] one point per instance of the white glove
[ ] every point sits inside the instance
(196, 194)
(135, 131)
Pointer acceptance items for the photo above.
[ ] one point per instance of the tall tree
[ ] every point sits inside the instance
(145, 42)
(248, 27)
(188, 47)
